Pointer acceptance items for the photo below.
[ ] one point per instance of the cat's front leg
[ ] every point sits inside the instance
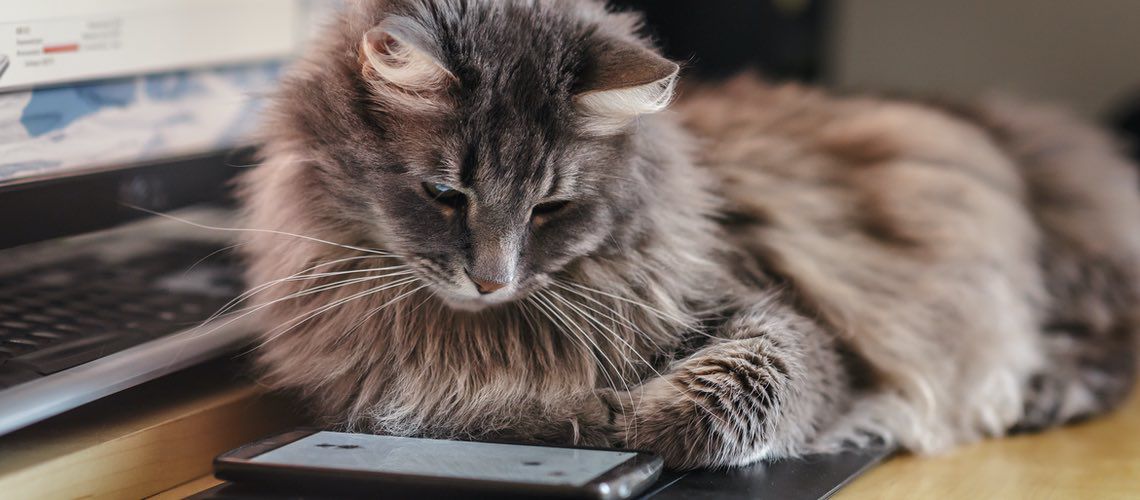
(766, 389)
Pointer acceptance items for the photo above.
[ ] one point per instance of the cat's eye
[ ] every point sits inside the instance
(549, 208)
(444, 194)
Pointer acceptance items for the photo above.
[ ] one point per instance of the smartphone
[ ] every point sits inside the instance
(319, 462)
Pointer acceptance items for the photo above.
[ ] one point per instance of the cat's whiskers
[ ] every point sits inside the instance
(244, 312)
(614, 315)
(571, 324)
(301, 319)
(248, 294)
(532, 301)
(551, 314)
(533, 322)
(680, 390)
(324, 288)
(265, 231)
(351, 271)
(662, 315)
(209, 255)
(605, 329)
(559, 321)
(427, 298)
(291, 161)
(376, 253)
(634, 404)
(377, 310)
(573, 335)
(612, 335)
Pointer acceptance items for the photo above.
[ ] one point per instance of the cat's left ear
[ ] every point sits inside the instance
(399, 59)
(624, 81)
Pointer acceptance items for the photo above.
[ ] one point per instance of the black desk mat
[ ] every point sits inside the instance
(808, 478)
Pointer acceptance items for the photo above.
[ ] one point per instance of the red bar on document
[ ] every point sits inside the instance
(58, 49)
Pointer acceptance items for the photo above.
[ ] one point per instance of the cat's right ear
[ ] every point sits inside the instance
(399, 60)
(624, 82)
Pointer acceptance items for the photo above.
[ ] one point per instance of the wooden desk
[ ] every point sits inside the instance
(140, 442)
(1097, 459)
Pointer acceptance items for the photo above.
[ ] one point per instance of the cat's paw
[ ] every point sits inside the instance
(710, 412)
(596, 421)
(589, 420)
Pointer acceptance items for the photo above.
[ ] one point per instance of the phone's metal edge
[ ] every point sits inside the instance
(630, 478)
(249, 451)
(269, 474)
(39, 399)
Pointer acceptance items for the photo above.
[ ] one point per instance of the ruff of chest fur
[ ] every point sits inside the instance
(400, 361)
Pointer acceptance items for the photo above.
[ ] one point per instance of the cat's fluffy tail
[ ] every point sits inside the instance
(1086, 198)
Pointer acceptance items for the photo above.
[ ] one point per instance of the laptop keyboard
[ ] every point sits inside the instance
(59, 316)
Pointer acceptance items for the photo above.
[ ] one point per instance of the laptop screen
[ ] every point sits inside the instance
(89, 85)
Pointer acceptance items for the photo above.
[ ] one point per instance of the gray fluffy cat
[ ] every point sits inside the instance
(475, 221)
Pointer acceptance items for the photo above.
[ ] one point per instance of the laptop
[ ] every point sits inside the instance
(111, 112)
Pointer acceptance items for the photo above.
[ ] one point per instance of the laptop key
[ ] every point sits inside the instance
(47, 334)
(37, 318)
(64, 355)
(15, 346)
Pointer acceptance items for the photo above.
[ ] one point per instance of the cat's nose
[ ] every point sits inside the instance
(486, 286)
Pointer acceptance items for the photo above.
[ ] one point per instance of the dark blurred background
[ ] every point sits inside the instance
(1082, 55)
(718, 38)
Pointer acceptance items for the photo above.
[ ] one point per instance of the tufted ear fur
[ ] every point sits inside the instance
(624, 82)
(398, 58)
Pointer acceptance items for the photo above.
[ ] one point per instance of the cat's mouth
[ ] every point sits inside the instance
(474, 303)
(468, 298)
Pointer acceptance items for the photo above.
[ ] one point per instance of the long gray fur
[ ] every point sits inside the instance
(765, 271)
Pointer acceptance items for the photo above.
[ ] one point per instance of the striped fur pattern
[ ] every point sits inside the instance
(763, 271)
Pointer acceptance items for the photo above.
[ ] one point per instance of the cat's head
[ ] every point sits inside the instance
(496, 136)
